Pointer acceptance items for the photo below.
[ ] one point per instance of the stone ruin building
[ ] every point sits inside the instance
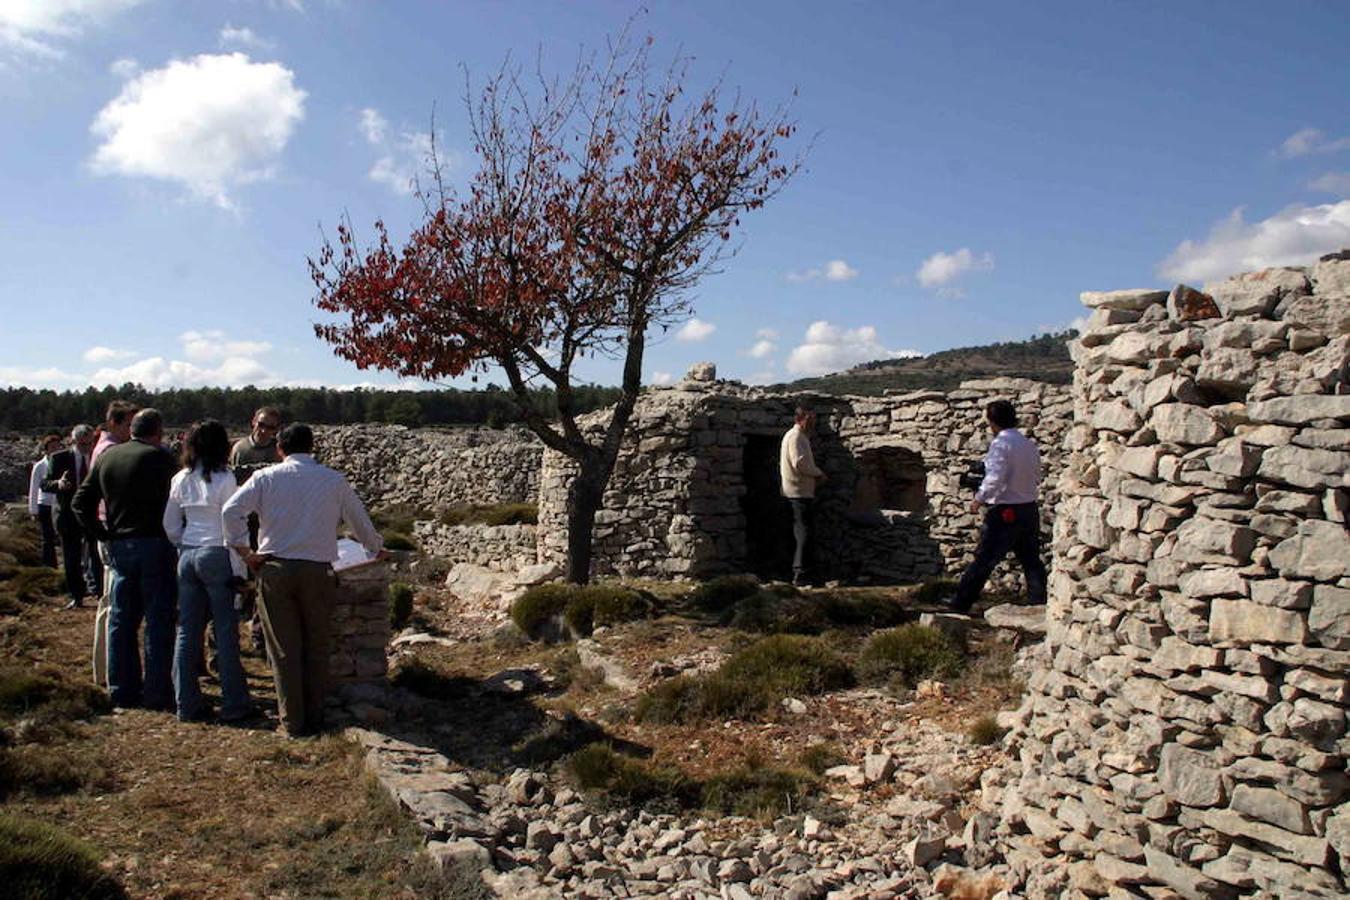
(1185, 734)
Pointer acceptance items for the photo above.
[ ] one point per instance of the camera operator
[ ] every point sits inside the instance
(1012, 519)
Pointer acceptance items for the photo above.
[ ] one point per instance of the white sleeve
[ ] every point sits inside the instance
(35, 485)
(996, 470)
(173, 513)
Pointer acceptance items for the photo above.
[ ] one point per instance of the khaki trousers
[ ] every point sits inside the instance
(295, 599)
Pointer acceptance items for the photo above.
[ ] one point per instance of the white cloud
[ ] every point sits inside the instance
(1337, 183)
(124, 68)
(1296, 235)
(767, 334)
(212, 359)
(208, 346)
(762, 348)
(695, 330)
(100, 355)
(37, 28)
(834, 270)
(662, 378)
(211, 123)
(1310, 141)
(243, 37)
(942, 268)
(828, 348)
(402, 157)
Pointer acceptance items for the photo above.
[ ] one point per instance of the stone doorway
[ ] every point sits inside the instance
(891, 479)
(768, 520)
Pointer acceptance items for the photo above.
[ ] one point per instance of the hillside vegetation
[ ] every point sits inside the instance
(1041, 358)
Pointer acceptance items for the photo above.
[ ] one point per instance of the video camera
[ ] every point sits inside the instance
(971, 478)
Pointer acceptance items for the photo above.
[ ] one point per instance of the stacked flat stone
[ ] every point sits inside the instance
(1189, 731)
(503, 548)
(674, 507)
(434, 468)
(360, 659)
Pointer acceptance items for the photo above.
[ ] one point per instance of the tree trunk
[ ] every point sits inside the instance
(583, 502)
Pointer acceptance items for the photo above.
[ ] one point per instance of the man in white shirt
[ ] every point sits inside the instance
(1007, 499)
(41, 502)
(799, 476)
(299, 505)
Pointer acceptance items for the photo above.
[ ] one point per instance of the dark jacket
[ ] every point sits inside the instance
(132, 480)
(63, 463)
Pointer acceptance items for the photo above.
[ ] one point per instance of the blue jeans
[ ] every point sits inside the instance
(204, 587)
(142, 589)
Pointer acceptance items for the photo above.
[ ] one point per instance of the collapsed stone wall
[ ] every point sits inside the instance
(695, 490)
(17, 456)
(434, 468)
(1189, 730)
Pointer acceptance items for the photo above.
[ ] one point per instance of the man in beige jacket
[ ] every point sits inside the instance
(799, 474)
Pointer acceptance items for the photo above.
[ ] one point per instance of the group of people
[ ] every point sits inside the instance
(1006, 501)
(179, 536)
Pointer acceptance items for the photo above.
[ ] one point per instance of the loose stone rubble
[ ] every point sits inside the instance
(1189, 733)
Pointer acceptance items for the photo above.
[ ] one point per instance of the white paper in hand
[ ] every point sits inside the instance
(350, 555)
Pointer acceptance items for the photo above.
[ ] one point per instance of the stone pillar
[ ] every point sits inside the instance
(360, 642)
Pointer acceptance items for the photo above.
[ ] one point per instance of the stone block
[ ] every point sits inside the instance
(1189, 882)
(1257, 293)
(1301, 409)
(1136, 300)
(1206, 540)
(1270, 806)
(1186, 304)
(1329, 617)
(1304, 849)
(1243, 621)
(1184, 423)
(1319, 552)
(1191, 777)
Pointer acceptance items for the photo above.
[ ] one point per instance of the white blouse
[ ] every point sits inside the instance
(192, 515)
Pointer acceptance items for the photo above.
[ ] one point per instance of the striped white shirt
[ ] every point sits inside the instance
(299, 504)
(1012, 469)
(192, 515)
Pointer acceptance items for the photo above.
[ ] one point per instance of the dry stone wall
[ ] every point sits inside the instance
(434, 468)
(1190, 729)
(695, 491)
(503, 548)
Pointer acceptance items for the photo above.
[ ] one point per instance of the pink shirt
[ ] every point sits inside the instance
(105, 440)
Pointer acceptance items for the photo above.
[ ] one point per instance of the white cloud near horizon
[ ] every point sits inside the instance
(1309, 141)
(403, 157)
(1296, 235)
(940, 269)
(37, 28)
(833, 270)
(244, 37)
(662, 378)
(695, 330)
(211, 123)
(829, 348)
(1337, 183)
(100, 355)
(762, 348)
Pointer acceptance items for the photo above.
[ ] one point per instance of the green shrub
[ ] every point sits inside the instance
(754, 790)
(984, 731)
(38, 769)
(910, 653)
(860, 610)
(597, 767)
(582, 607)
(397, 540)
(19, 544)
(495, 514)
(27, 693)
(819, 757)
(400, 604)
(40, 861)
(720, 594)
(934, 590)
(399, 517)
(777, 612)
(751, 681)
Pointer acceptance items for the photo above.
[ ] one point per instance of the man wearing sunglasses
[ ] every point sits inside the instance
(248, 455)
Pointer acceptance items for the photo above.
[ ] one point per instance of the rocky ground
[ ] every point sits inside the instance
(480, 761)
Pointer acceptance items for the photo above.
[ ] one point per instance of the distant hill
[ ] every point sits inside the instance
(1041, 358)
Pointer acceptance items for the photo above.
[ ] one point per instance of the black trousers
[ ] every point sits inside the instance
(83, 569)
(49, 539)
(804, 533)
(1015, 527)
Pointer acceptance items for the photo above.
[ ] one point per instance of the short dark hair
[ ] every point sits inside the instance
(266, 411)
(1001, 413)
(47, 439)
(802, 411)
(147, 423)
(296, 438)
(121, 410)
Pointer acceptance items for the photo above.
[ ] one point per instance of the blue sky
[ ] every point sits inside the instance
(167, 165)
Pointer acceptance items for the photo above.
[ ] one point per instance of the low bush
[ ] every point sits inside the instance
(720, 594)
(400, 604)
(494, 514)
(24, 692)
(399, 517)
(751, 681)
(598, 767)
(582, 607)
(757, 791)
(819, 757)
(47, 769)
(34, 582)
(867, 610)
(20, 544)
(910, 653)
(38, 860)
(397, 540)
(934, 590)
(984, 731)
